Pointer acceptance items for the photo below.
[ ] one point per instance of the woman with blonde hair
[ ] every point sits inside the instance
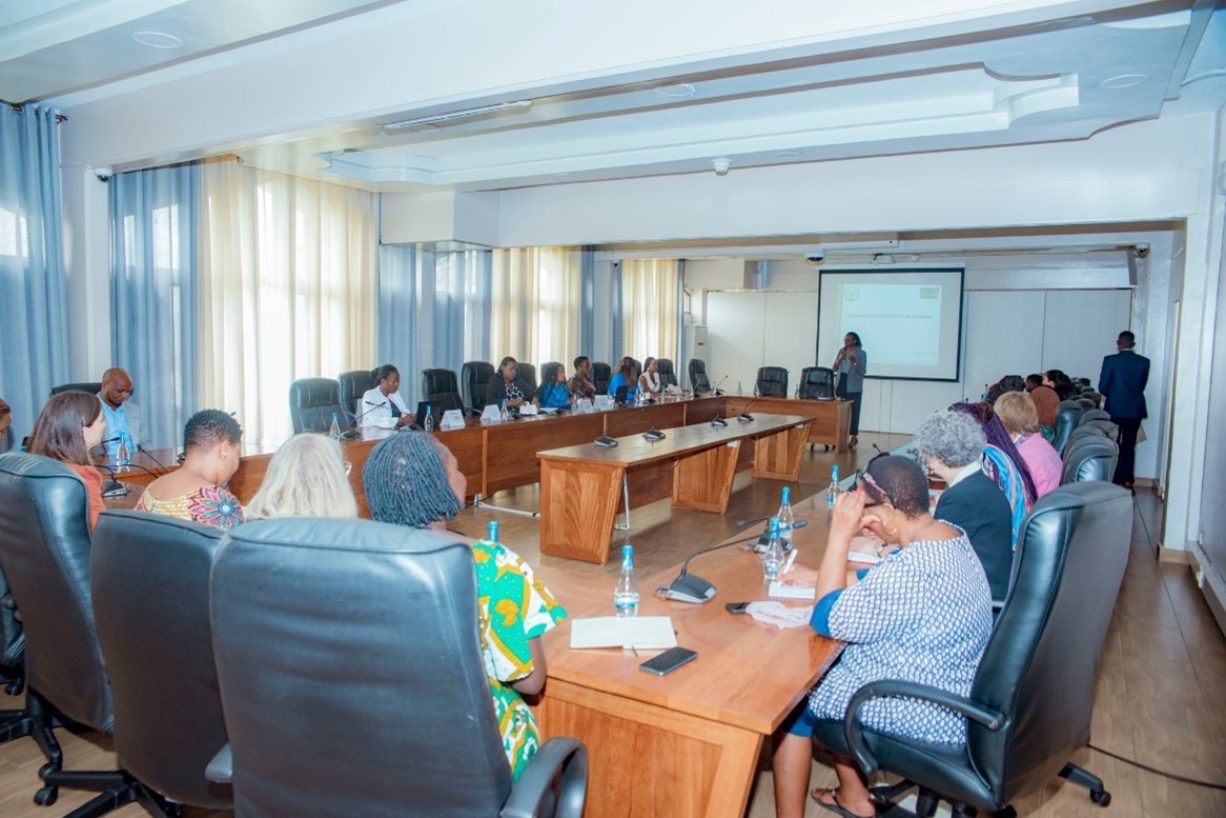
(307, 477)
(1020, 416)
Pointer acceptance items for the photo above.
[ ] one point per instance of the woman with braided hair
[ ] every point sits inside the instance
(412, 479)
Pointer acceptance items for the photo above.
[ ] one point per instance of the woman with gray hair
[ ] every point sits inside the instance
(307, 477)
(952, 445)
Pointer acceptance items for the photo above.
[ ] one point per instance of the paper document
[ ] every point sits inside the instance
(777, 590)
(640, 632)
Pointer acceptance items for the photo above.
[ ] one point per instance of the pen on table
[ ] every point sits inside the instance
(787, 566)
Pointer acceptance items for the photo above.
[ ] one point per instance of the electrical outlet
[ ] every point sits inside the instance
(1200, 538)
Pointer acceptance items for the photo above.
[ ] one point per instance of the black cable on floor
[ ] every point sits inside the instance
(1156, 771)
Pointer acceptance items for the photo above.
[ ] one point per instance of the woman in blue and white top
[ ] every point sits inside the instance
(923, 614)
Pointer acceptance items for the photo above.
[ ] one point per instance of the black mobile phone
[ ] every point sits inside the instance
(668, 661)
(736, 607)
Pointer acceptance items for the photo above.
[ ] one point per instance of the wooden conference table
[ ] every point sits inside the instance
(502, 456)
(685, 744)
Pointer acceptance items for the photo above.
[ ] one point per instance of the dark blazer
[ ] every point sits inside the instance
(496, 390)
(978, 507)
(1122, 383)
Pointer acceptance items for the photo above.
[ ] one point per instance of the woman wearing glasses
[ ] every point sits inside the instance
(923, 614)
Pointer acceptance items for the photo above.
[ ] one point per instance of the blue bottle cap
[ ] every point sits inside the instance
(627, 552)
(787, 494)
(774, 525)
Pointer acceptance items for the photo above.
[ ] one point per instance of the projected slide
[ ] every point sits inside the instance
(908, 320)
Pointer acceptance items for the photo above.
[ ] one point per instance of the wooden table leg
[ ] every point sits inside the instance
(703, 481)
(778, 456)
(647, 761)
(578, 504)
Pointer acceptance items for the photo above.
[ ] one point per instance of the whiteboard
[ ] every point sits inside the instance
(749, 330)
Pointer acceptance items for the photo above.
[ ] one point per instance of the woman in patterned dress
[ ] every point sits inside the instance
(412, 479)
(923, 614)
(196, 490)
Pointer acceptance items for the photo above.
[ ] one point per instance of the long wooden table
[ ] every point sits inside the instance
(685, 744)
(582, 486)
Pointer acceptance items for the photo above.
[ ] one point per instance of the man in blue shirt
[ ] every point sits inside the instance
(1122, 383)
(122, 415)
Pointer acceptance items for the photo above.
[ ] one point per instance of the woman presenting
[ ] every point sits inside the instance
(850, 364)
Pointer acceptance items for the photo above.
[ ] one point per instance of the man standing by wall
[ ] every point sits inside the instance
(1122, 383)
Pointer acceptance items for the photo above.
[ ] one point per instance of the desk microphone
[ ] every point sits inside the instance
(715, 389)
(689, 587)
(149, 455)
(112, 487)
(745, 417)
(354, 432)
(605, 441)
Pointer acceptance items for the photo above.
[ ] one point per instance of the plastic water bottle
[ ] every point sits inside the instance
(738, 389)
(502, 410)
(334, 431)
(626, 592)
(772, 558)
(122, 457)
(832, 494)
(428, 423)
(491, 531)
(786, 518)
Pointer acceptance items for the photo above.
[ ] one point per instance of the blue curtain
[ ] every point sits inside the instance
(587, 301)
(479, 278)
(619, 321)
(153, 294)
(34, 352)
(398, 314)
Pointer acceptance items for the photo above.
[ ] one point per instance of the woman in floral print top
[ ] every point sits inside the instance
(196, 490)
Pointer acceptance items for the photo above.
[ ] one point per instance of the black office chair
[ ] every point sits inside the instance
(150, 580)
(1108, 427)
(602, 373)
(526, 377)
(353, 385)
(391, 715)
(1090, 457)
(668, 376)
(699, 381)
(45, 548)
(1093, 396)
(1081, 433)
(1068, 413)
(816, 383)
(312, 404)
(772, 382)
(474, 376)
(1093, 414)
(12, 659)
(1029, 707)
(439, 386)
(1086, 403)
(92, 387)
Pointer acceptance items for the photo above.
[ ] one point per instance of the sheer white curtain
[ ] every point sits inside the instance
(288, 290)
(535, 304)
(650, 325)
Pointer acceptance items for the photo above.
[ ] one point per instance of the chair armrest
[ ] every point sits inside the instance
(221, 768)
(553, 784)
(989, 718)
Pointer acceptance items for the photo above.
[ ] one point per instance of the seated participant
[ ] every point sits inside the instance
(1009, 383)
(412, 479)
(69, 425)
(382, 407)
(554, 394)
(649, 382)
(307, 477)
(1002, 462)
(624, 376)
(1017, 412)
(581, 385)
(1045, 402)
(923, 614)
(1064, 387)
(123, 424)
(952, 445)
(196, 490)
(504, 385)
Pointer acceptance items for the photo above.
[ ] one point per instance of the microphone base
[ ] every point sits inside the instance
(653, 435)
(113, 488)
(719, 423)
(745, 418)
(690, 588)
(605, 442)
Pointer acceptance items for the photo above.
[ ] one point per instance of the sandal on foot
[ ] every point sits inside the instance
(835, 805)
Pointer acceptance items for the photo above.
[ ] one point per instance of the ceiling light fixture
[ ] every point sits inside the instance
(722, 166)
(682, 90)
(788, 154)
(157, 39)
(453, 115)
(1123, 81)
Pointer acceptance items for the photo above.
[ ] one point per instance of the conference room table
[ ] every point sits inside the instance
(499, 456)
(684, 744)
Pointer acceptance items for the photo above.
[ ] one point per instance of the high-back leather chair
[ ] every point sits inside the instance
(1107, 427)
(816, 383)
(474, 377)
(1093, 414)
(1068, 413)
(1080, 433)
(1085, 403)
(602, 373)
(772, 382)
(1091, 457)
(313, 402)
(699, 381)
(92, 387)
(353, 385)
(1029, 707)
(1093, 396)
(392, 714)
(668, 375)
(45, 550)
(150, 581)
(527, 377)
(439, 386)
(549, 371)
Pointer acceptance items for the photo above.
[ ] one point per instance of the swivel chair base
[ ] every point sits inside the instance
(927, 800)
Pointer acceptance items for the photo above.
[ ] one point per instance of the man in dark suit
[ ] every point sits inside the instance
(1122, 383)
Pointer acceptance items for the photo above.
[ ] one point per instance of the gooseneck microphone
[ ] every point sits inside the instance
(689, 587)
(715, 389)
(149, 455)
(605, 441)
(745, 417)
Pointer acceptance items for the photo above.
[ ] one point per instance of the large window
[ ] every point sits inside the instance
(535, 304)
(650, 308)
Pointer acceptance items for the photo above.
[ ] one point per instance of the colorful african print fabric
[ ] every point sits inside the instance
(513, 608)
(207, 505)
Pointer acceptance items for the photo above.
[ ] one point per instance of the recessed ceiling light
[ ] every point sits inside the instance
(157, 39)
(682, 90)
(788, 154)
(1123, 81)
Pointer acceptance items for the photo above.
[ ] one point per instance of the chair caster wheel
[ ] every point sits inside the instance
(46, 796)
(1100, 797)
(46, 770)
